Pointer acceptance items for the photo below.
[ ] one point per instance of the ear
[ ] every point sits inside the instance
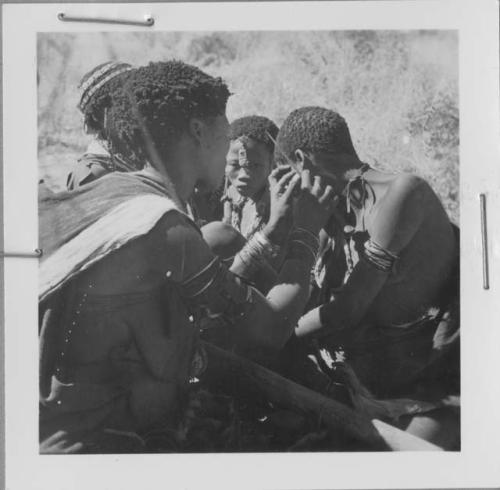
(300, 159)
(196, 129)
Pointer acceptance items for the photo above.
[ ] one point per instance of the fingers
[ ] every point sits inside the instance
(328, 196)
(74, 448)
(305, 180)
(56, 437)
(317, 188)
(277, 173)
(285, 180)
(58, 443)
(292, 186)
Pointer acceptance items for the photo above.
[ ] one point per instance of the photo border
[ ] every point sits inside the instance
(475, 465)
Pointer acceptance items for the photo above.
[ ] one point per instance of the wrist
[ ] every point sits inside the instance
(258, 253)
(275, 234)
(306, 240)
(308, 226)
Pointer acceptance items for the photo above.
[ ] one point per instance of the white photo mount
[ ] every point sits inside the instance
(476, 465)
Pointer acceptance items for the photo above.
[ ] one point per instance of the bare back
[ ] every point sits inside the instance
(419, 229)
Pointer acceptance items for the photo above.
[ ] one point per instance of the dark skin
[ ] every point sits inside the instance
(248, 165)
(405, 218)
(173, 251)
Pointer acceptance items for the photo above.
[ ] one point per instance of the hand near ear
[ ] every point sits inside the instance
(315, 203)
(282, 183)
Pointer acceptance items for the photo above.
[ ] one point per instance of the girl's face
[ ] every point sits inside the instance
(248, 165)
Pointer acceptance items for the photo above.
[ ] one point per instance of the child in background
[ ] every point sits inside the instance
(96, 87)
(249, 163)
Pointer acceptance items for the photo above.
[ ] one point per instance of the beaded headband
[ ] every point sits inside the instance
(98, 79)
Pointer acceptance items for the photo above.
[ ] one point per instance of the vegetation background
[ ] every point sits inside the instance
(398, 90)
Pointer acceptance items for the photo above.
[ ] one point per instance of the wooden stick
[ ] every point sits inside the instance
(337, 416)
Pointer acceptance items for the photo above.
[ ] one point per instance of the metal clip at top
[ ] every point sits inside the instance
(147, 22)
(484, 236)
(36, 254)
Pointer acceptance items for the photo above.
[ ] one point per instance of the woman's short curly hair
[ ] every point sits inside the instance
(314, 130)
(156, 104)
(259, 128)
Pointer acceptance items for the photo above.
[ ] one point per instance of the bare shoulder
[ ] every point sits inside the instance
(408, 190)
(405, 185)
(401, 211)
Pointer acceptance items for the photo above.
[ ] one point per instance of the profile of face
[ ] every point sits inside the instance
(326, 166)
(248, 165)
(213, 145)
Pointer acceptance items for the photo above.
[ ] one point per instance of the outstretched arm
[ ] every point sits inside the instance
(212, 290)
(394, 223)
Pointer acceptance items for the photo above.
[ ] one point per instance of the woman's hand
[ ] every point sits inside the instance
(282, 183)
(59, 443)
(314, 204)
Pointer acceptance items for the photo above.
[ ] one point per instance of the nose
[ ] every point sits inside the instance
(243, 174)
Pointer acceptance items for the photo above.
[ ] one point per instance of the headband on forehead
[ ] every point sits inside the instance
(97, 79)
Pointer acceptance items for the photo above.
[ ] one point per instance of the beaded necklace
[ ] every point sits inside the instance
(260, 214)
(348, 233)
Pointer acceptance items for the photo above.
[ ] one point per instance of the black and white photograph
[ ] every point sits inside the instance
(250, 241)
(250, 245)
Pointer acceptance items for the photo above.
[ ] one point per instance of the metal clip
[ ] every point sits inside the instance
(484, 235)
(147, 22)
(36, 254)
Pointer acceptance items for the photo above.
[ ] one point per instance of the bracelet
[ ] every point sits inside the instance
(297, 247)
(381, 259)
(270, 250)
(257, 252)
(305, 236)
(306, 232)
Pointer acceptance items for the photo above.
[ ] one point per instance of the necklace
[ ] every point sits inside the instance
(364, 189)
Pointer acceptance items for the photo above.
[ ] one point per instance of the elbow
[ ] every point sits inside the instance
(276, 334)
(339, 317)
(269, 336)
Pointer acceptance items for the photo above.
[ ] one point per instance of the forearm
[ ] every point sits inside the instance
(286, 300)
(349, 307)
(260, 260)
(271, 320)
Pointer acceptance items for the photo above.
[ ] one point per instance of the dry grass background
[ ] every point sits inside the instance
(398, 90)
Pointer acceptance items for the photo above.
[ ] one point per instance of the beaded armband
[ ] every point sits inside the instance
(378, 257)
(215, 296)
(302, 242)
(258, 252)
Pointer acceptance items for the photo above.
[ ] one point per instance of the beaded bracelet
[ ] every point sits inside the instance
(257, 252)
(304, 240)
(296, 249)
(308, 233)
(305, 236)
(380, 258)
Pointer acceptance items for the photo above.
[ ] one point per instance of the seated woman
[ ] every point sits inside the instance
(249, 163)
(388, 267)
(127, 281)
(96, 88)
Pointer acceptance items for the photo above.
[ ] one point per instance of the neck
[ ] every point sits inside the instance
(183, 182)
(354, 187)
(257, 195)
(352, 170)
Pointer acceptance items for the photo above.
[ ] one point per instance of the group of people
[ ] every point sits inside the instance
(278, 244)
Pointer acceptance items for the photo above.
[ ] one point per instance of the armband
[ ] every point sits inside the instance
(258, 252)
(301, 241)
(380, 258)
